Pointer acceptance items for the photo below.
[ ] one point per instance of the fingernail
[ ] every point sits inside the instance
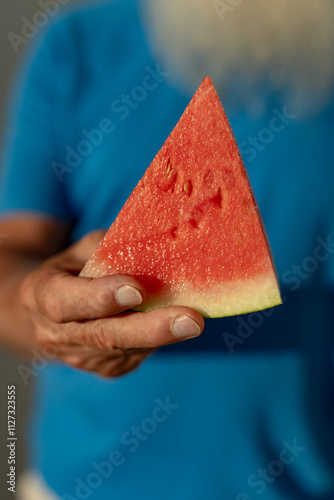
(128, 296)
(184, 327)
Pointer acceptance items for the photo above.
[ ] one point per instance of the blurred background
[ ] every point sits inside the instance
(11, 14)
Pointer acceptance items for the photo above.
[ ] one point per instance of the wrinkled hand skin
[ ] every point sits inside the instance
(80, 320)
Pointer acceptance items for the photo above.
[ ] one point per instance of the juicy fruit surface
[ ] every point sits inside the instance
(191, 231)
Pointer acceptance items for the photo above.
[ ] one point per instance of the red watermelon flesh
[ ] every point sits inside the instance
(191, 231)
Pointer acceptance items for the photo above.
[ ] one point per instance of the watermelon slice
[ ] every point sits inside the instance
(191, 231)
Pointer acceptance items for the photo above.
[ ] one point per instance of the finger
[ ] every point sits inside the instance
(122, 368)
(143, 330)
(74, 257)
(104, 363)
(82, 250)
(63, 297)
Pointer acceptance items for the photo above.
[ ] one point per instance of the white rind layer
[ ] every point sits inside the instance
(216, 301)
(226, 299)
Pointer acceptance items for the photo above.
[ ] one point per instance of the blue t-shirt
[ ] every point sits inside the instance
(247, 408)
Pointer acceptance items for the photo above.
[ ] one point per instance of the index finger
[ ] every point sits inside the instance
(141, 330)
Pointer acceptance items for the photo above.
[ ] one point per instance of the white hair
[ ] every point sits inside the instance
(241, 43)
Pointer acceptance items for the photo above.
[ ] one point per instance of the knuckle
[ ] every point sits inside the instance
(35, 296)
(48, 294)
(50, 336)
(68, 333)
(50, 305)
(100, 337)
(103, 297)
(42, 336)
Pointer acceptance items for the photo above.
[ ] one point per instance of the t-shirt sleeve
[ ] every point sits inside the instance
(33, 132)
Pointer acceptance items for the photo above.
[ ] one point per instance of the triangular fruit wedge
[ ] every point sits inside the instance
(191, 231)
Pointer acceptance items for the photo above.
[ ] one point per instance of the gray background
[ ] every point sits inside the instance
(11, 13)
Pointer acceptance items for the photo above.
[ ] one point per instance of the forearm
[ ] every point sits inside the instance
(16, 331)
(29, 241)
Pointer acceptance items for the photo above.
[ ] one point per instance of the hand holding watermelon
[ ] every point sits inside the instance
(85, 321)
